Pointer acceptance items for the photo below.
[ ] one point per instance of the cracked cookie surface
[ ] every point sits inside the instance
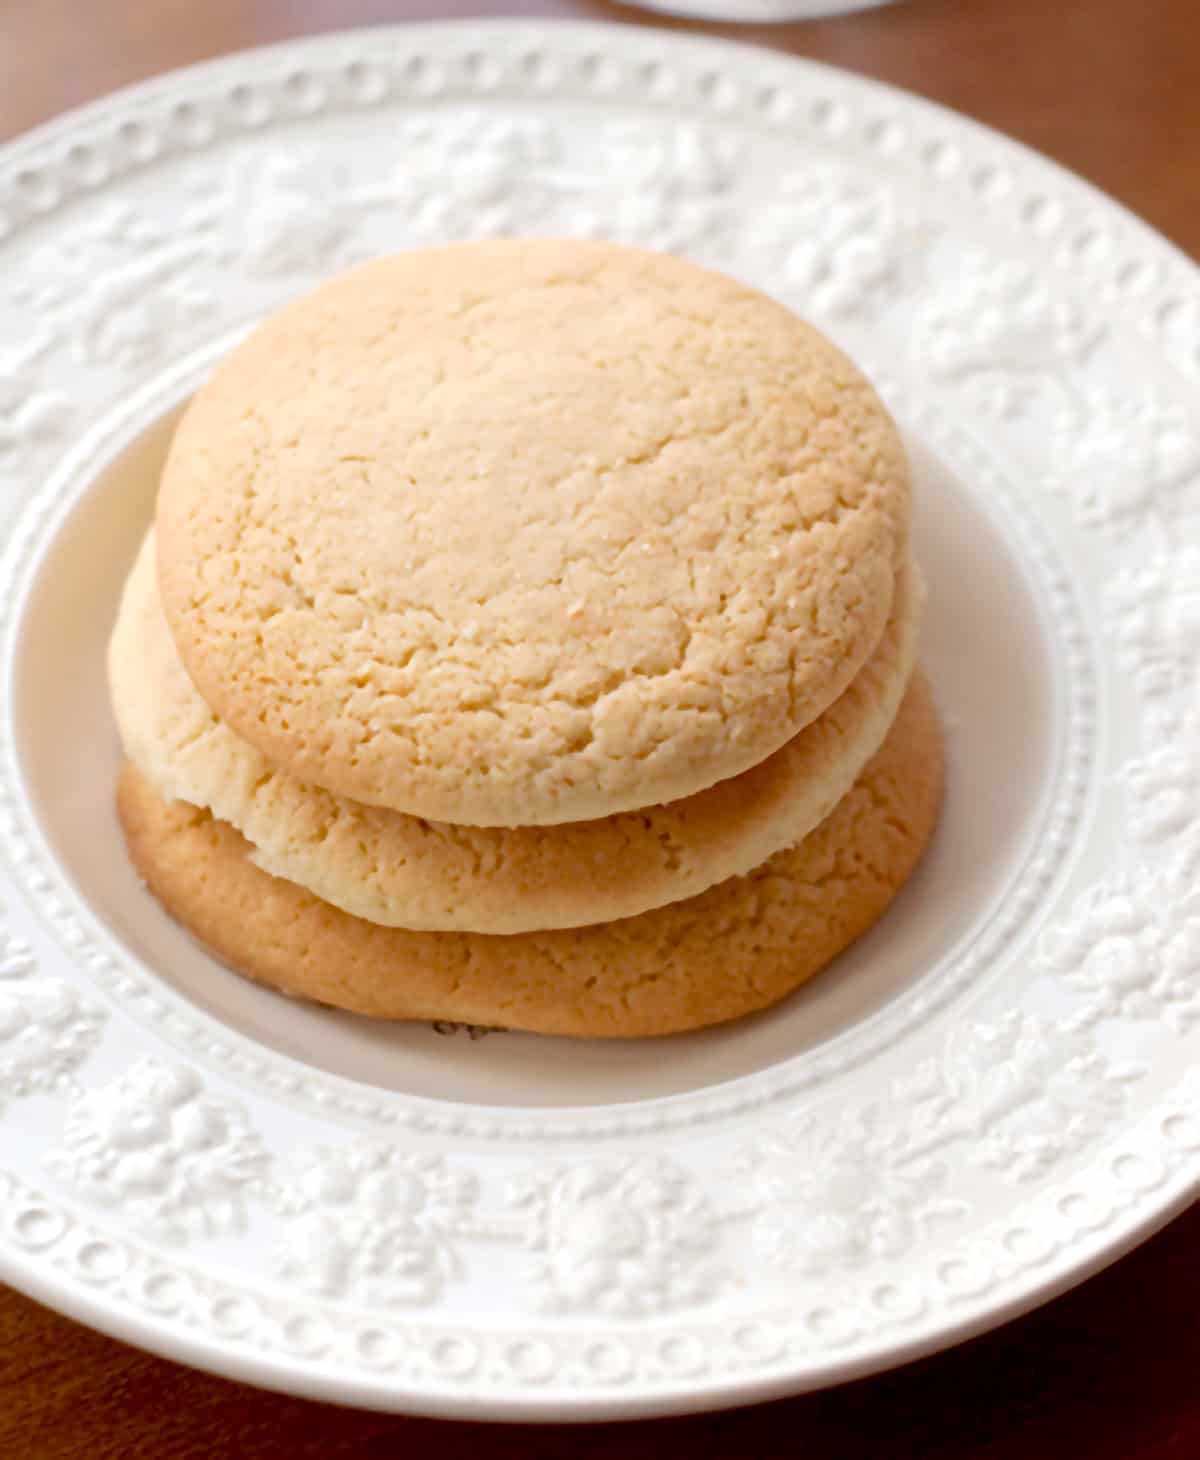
(521, 533)
(738, 947)
(406, 872)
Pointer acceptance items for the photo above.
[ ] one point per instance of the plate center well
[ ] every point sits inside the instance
(986, 648)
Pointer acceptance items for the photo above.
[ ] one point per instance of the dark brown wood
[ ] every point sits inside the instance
(1109, 1372)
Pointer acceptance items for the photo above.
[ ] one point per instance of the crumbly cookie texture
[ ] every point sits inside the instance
(738, 947)
(527, 532)
(406, 872)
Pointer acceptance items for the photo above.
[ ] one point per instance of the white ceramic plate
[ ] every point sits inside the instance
(991, 1096)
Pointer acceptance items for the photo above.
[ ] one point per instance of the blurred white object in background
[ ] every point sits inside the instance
(760, 11)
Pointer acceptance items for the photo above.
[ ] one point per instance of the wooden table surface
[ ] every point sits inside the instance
(1110, 1371)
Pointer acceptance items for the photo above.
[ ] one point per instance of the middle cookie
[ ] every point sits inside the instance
(403, 871)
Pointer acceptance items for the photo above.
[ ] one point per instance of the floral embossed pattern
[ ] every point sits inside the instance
(1128, 958)
(155, 1146)
(47, 1027)
(841, 242)
(872, 1181)
(635, 1237)
(953, 1156)
(1154, 610)
(376, 1223)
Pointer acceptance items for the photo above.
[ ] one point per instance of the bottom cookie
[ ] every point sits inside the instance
(736, 948)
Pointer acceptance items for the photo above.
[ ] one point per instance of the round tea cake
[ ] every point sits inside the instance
(528, 532)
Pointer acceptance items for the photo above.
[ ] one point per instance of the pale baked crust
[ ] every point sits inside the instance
(405, 872)
(528, 532)
(736, 948)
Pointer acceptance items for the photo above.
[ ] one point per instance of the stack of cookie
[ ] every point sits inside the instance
(527, 637)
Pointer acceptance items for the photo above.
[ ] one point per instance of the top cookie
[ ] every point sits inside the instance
(519, 533)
